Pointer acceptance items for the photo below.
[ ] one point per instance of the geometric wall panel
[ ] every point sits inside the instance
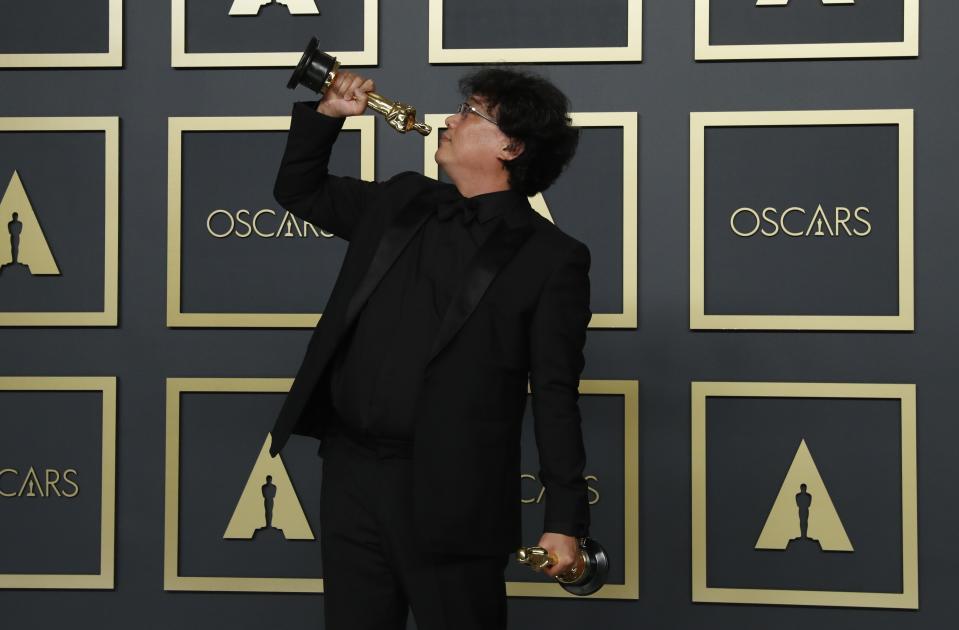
(59, 219)
(61, 34)
(253, 33)
(58, 482)
(236, 259)
(806, 29)
(805, 494)
(801, 220)
(503, 31)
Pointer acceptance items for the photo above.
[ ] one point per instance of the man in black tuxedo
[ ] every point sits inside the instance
(450, 299)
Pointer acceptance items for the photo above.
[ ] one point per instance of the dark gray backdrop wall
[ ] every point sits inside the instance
(661, 353)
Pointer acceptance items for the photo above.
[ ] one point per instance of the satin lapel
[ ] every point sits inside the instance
(482, 268)
(395, 238)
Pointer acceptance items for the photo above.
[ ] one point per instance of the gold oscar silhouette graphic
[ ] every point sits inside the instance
(268, 506)
(295, 7)
(23, 247)
(803, 515)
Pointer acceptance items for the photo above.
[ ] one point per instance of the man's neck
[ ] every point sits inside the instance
(474, 188)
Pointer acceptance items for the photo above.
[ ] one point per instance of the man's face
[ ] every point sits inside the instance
(470, 143)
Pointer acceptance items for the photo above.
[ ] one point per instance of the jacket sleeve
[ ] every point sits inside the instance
(557, 338)
(303, 184)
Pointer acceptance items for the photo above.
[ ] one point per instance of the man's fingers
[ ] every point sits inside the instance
(341, 83)
(564, 548)
(560, 568)
(347, 96)
(355, 87)
(352, 87)
(346, 82)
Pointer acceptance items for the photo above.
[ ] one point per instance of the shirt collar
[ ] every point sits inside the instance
(488, 205)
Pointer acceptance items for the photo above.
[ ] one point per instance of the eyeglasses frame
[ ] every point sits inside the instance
(466, 107)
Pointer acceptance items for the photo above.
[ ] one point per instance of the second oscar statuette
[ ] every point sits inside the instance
(588, 573)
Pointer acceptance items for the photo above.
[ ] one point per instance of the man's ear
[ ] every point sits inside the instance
(512, 150)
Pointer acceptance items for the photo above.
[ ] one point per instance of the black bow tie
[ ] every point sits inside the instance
(464, 207)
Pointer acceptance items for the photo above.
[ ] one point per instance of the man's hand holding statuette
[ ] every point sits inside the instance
(347, 96)
(564, 548)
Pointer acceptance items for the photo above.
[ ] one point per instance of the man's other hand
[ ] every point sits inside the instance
(347, 96)
(564, 548)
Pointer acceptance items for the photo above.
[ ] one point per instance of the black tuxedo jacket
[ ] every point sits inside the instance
(521, 312)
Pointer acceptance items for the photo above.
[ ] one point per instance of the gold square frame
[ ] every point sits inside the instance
(699, 121)
(110, 126)
(104, 579)
(177, 127)
(172, 581)
(909, 47)
(906, 394)
(632, 51)
(112, 58)
(627, 319)
(180, 58)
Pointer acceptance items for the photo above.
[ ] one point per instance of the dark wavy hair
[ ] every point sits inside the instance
(532, 110)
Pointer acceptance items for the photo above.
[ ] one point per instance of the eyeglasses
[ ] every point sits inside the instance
(466, 107)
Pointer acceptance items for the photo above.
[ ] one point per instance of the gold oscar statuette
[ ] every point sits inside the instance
(317, 71)
(585, 577)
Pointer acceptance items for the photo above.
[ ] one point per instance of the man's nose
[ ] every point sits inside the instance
(452, 120)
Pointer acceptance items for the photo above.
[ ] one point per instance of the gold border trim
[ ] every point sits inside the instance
(699, 121)
(112, 58)
(909, 47)
(632, 51)
(172, 581)
(177, 127)
(110, 126)
(627, 319)
(180, 58)
(107, 385)
(906, 394)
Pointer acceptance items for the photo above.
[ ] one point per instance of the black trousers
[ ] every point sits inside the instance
(373, 573)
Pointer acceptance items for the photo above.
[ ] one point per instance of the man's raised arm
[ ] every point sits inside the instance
(303, 184)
